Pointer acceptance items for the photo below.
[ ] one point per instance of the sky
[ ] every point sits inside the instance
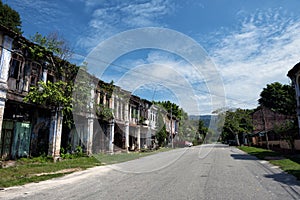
(246, 44)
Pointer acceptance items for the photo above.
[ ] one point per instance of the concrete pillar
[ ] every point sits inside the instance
(90, 133)
(45, 71)
(112, 135)
(130, 117)
(55, 134)
(117, 108)
(111, 124)
(104, 99)
(121, 116)
(2, 107)
(4, 68)
(126, 116)
(126, 135)
(148, 140)
(5, 58)
(138, 129)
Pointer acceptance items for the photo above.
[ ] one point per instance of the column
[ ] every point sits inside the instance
(90, 132)
(104, 99)
(112, 135)
(4, 68)
(130, 117)
(112, 126)
(117, 108)
(45, 71)
(121, 116)
(139, 137)
(148, 140)
(126, 126)
(55, 134)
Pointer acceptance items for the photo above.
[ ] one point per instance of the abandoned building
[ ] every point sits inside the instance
(294, 75)
(265, 122)
(117, 120)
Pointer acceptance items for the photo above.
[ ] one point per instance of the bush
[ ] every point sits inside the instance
(65, 154)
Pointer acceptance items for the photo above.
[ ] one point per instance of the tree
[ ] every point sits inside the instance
(54, 43)
(279, 98)
(202, 130)
(10, 18)
(187, 130)
(161, 135)
(54, 95)
(236, 123)
(171, 108)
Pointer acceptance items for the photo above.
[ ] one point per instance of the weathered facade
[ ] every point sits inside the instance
(294, 75)
(265, 122)
(111, 119)
(27, 129)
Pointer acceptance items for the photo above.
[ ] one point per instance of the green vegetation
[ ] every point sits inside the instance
(279, 98)
(259, 152)
(42, 168)
(39, 169)
(288, 163)
(54, 43)
(237, 122)
(162, 134)
(171, 108)
(10, 18)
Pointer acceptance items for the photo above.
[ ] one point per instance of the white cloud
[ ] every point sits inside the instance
(164, 73)
(261, 51)
(43, 12)
(111, 17)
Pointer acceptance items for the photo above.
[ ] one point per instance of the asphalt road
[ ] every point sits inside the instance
(204, 172)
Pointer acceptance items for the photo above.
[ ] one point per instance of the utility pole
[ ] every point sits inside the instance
(172, 129)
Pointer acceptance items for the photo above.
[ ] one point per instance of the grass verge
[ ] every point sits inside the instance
(288, 163)
(39, 169)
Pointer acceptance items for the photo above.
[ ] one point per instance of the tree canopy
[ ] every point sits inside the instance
(279, 98)
(237, 122)
(10, 18)
(54, 43)
(171, 107)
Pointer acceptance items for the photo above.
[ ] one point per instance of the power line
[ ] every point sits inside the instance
(174, 83)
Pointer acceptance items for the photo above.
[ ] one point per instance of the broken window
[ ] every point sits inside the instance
(15, 66)
(15, 80)
(50, 77)
(35, 73)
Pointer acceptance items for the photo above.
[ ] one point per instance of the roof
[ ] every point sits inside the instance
(294, 70)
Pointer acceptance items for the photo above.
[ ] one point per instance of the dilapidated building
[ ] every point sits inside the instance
(27, 129)
(106, 118)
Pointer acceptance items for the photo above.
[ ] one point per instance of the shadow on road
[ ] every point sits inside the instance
(243, 157)
(284, 178)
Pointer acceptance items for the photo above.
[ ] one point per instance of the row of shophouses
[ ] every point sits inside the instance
(31, 130)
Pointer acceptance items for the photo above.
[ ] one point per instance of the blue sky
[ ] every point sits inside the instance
(251, 42)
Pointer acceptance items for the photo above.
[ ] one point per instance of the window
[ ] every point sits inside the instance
(50, 77)
(15, 66)
(35, 73)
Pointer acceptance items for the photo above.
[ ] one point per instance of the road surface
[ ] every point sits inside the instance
(202, 172)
